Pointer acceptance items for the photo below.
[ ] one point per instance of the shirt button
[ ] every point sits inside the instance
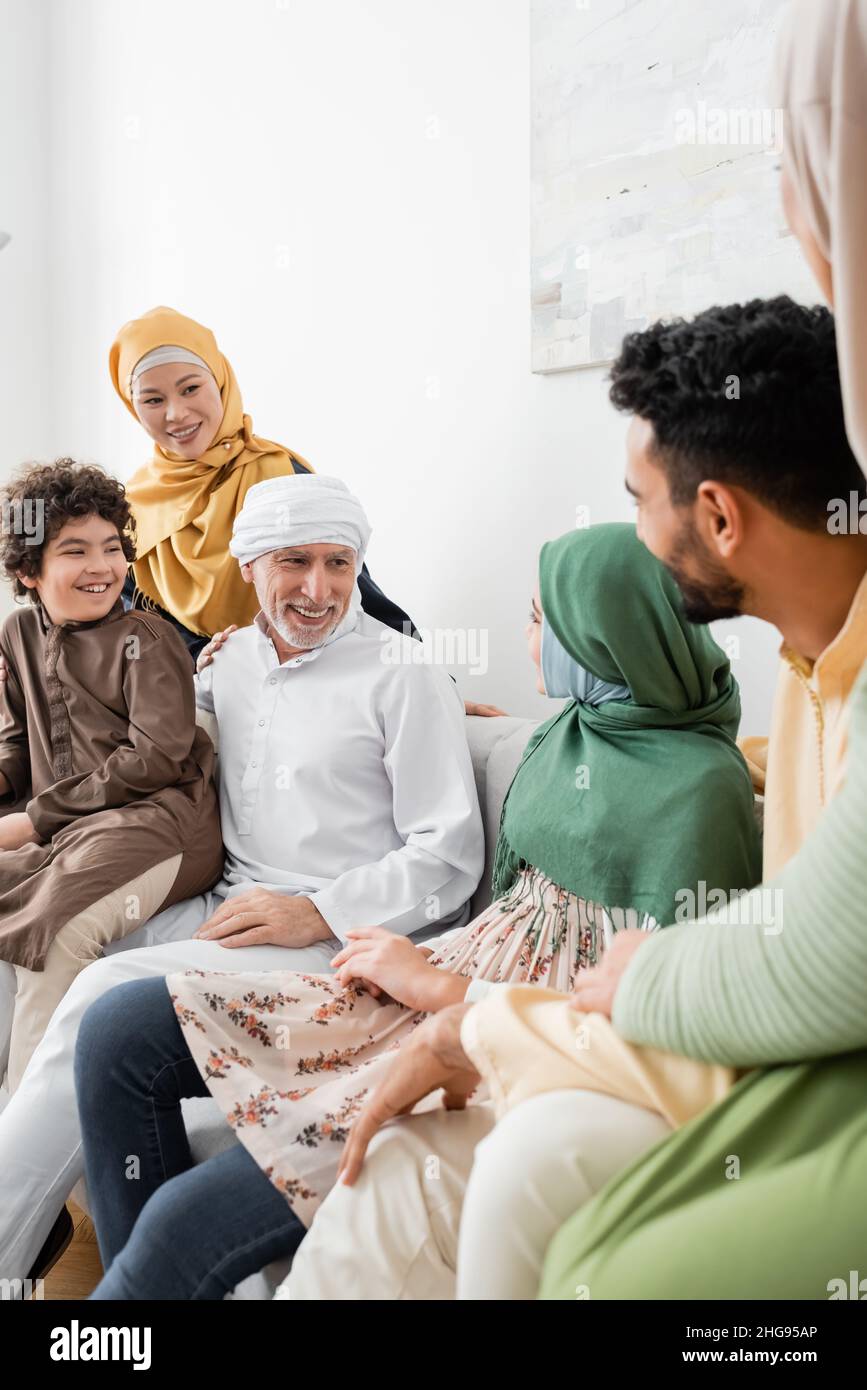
(254, 764)
(272, 681)
(261, 722)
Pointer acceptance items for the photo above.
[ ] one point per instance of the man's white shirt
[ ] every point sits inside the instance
(344, 774)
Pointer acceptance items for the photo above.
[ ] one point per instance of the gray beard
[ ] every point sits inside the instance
(297, 636)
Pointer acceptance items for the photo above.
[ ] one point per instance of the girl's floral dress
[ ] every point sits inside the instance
(291, 1058)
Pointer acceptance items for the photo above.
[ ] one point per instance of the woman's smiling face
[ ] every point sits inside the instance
(180, 407)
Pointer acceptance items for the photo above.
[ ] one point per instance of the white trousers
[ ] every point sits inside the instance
(448, 1205)
(40, 1142)
(545, 1159)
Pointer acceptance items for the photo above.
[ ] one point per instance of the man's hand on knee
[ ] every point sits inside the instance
(263, 918)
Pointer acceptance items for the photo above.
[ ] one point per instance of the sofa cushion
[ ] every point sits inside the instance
(496, 747)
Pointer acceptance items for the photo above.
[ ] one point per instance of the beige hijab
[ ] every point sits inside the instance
(822, 86)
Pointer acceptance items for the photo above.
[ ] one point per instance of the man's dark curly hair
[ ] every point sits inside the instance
(779, 433)
(60, 491)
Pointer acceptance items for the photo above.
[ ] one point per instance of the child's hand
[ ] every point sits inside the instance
(2, 671)
(206, 655)
(392, 965)
(17, 830)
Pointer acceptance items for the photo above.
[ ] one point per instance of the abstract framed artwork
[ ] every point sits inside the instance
(655, 169)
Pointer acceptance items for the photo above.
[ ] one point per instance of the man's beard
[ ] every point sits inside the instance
(713, 594)
(299, 636)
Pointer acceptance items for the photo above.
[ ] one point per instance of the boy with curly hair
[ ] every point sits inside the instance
(108, 810)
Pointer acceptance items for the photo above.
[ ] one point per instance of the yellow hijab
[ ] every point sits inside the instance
(184, 508)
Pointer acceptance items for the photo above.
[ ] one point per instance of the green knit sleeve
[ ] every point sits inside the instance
(788, 980)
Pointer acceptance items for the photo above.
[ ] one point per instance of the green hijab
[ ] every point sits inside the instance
(629, 802)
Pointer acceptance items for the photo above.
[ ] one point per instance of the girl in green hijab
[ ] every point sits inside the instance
(635, 795)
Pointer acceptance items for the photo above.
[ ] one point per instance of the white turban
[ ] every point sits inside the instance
(299, 509)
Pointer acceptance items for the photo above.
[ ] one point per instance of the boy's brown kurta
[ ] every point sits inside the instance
(97, 726)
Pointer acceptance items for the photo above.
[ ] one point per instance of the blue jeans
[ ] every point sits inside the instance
(167, 1228)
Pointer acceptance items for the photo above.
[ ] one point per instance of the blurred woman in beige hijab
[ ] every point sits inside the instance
(822, 86)
(795, 1225)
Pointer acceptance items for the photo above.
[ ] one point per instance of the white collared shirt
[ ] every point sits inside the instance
(344, 774)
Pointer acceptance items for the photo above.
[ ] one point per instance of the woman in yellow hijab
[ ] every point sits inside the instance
(170, 374)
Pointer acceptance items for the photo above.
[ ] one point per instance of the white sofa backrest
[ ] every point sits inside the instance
(496, 747)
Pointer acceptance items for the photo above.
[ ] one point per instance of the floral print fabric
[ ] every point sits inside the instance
(291, 1058)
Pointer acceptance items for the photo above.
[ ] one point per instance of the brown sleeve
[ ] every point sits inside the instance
(14, 748)
(161, 707)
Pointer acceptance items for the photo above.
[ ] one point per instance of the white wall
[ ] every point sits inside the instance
(341, 191)
(25, 368)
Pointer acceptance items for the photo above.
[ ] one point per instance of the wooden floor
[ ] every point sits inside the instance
(78, 1271)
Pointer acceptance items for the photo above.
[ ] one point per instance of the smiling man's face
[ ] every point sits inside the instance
(304, 590)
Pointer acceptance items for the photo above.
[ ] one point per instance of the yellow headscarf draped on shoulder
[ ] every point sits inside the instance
(184, 508)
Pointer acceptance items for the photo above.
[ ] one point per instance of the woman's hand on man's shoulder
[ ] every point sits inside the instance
(207, 654)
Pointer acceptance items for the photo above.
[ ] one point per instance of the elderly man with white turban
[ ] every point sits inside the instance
(347, 799)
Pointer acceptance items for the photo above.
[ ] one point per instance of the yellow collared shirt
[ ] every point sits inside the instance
(804, 758)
